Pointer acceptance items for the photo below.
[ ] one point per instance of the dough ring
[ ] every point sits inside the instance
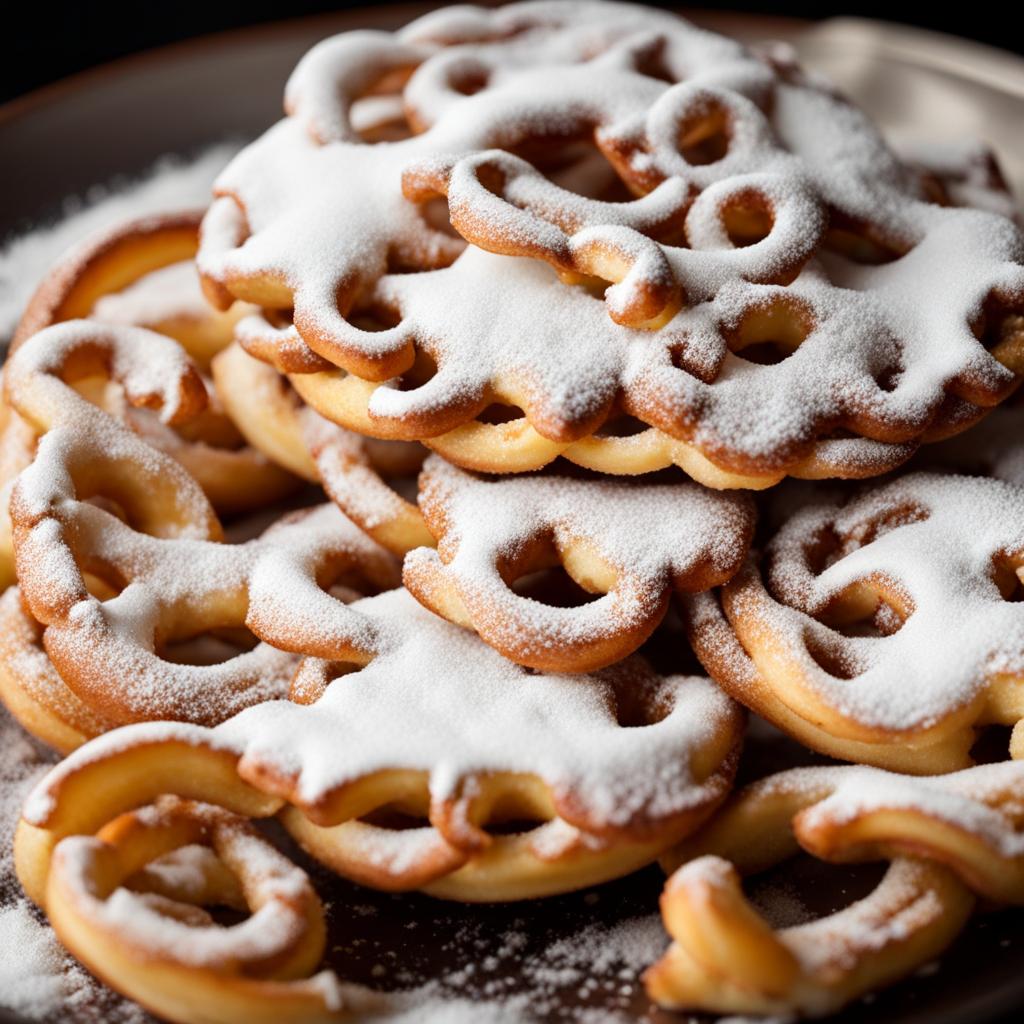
(163, 949)
(842, 637)
(551, 399)
(629, 545)
(355, 757)
(142, 273)
(947, 838)
(109, 262)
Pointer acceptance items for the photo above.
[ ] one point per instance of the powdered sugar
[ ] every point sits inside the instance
(938, 541)
(352, 470)
(186, 872)
(901, 906)
(28, 675)
(159, 379)
(651, 536)
(508, 720)
(277, 891)
(524, 338)
(261, 582)
(397, 712)
(37, 977)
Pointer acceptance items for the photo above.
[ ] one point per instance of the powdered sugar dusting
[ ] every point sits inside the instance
(37, 977)
(266, 580)
(396, 712)
(861, 350)
(899, 908)
(652, 536)
(156, 379)
(938, 542)
(982, 800)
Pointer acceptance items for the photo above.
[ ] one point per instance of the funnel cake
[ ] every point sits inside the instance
(948, 838)
(158, 945)
(754, 217)
(610, 769)
(116, 593)
(630, 546)
(142, 273)
(883, 630)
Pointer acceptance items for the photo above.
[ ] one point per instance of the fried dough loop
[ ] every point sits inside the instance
(745, 216)
(154, 941)
(631, 546)
(142, 273)
(948, 839)
(99, 504)
(604, 771)
(31, 688)
(842, 637)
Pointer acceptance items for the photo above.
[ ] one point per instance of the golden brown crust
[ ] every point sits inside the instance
(165, 951)
(234, 476)
(945, 837)
(105, 264)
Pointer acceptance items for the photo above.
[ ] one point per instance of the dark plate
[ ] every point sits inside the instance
(119, 119)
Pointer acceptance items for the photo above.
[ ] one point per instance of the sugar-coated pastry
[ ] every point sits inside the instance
(751, 216)
(882, 629)
(948, 839)
(613, 767)
(98, 502)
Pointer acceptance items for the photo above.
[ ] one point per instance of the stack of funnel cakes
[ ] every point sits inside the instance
(392, 498)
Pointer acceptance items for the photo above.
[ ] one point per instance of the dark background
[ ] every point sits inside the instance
(46, 41)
